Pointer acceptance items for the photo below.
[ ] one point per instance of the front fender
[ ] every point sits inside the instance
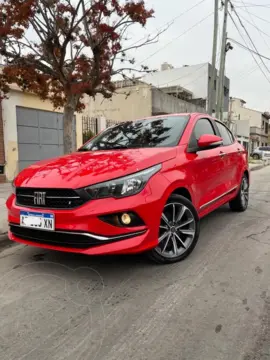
(178, 179)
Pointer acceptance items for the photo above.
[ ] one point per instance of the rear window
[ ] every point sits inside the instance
(225, 133)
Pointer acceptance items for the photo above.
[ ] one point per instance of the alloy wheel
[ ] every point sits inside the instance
(244, 192)
(177, 230)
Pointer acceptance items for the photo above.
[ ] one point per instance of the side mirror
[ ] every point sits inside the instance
(209, 141)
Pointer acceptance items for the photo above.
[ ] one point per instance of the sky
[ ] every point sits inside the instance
(188, 41)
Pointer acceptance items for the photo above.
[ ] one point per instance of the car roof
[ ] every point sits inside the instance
(192, 115)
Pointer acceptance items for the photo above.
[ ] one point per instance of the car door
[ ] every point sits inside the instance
(206, 166)
(266, 152)
(233, 158)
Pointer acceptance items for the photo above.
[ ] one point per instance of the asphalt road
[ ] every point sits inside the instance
(214, 305)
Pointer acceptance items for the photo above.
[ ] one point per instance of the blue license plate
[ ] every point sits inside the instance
(37, 220)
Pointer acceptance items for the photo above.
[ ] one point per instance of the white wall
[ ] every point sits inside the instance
(240, 112)
(242, 128)
(120, 107)
(193, 78)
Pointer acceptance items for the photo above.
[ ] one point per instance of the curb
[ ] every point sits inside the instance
(259, 167)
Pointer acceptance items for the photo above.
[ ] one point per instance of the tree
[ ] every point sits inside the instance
(62, 50)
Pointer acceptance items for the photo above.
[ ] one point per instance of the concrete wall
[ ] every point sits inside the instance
(166, 104)
(194, 78)
(240, 112)
(226, 99)
(242, 128)
(122, 107)
(18, 98)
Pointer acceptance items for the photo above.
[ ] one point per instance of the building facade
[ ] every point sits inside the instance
(241, 129)
(193, 79)
(258, 122)
(134, 101)
(32, 131)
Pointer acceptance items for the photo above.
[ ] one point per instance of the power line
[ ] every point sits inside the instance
(261, 32)
(169, 23)
(251, 41)
(247, 48)
(182, 77)
(255, 25)
(258, 17)
(254, 5)
(176, 38)
(248, 4)
(243, 74)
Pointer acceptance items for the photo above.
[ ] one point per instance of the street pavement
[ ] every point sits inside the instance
(215, 305)
(5, 191)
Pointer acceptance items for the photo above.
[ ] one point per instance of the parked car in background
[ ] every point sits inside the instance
(139, 186)
(260, 152)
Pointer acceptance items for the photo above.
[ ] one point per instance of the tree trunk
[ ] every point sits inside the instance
(69, 111)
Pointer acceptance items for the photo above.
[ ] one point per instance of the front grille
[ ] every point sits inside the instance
(55, 238)
(54, 198)
(78, 240)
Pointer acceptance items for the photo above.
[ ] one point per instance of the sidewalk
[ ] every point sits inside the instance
(5, 191)
(258, 164)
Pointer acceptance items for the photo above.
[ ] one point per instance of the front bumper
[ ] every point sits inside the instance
(81, 230)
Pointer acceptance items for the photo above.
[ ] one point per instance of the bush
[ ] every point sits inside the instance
(87, 135)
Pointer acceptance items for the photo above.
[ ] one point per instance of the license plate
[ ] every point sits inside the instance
(37, 220)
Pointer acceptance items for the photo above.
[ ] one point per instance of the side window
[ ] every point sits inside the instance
(202, 127)
(225, 134)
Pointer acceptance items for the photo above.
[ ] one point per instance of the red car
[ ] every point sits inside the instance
(139, 186)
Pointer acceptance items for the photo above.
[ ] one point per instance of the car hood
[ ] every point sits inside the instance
(86, 168)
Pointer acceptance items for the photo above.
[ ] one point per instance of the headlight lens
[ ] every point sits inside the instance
(125, 186)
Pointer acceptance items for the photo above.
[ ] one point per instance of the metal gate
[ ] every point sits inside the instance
(89, 127)
(40, 135)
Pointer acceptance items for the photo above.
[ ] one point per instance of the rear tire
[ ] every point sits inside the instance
(256, 157)
(178, 233)
(240, 202)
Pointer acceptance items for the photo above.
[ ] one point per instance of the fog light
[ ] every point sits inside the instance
(126, 219)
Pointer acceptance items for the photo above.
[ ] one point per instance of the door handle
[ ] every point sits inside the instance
(222, 154)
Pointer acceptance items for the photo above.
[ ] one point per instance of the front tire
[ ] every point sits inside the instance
(240, 202)
(178, 232)
(256, 157)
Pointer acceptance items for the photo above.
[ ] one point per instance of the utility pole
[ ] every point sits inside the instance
(220, 95)
(228, 47)
(212, 91)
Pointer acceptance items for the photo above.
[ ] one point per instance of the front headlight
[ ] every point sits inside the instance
(125, 186)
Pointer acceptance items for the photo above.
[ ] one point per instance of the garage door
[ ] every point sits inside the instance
(40, 135)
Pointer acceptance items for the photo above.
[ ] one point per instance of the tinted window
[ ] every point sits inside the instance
(225, 134)
(155, 132)
(202, 127)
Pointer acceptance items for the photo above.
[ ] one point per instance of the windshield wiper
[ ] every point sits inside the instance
(118, 147)
(83, 149)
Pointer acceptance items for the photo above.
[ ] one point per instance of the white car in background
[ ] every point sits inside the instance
(261, 152)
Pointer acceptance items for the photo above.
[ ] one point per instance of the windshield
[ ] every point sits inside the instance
(155, 132)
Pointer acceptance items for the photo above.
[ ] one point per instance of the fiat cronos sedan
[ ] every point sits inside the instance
(137, 187)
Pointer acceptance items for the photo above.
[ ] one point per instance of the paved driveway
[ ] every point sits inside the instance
(214, 305)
